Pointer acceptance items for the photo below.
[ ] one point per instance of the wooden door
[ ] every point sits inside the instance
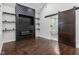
(66, 23)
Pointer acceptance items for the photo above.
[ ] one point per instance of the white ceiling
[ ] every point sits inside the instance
(36, 6)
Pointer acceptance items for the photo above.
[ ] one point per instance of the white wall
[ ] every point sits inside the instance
(8, 35)
(77, 28)
(37, 32)
(52, 8)
(1, 28)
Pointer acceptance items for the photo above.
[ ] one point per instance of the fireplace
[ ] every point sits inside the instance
(25, 22)
(26, 33)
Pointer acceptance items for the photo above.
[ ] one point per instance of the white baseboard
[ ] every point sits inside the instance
(1, 48)
(44, 37)
(77, 46)
(48, 38)
(6, 41)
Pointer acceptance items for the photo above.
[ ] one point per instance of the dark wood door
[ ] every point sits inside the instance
(67, 27)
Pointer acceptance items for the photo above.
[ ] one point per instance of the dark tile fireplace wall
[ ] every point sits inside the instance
(25, 22)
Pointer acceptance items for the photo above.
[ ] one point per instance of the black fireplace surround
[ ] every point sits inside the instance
(25, 22)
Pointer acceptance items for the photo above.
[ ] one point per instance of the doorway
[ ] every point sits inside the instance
(53, 27)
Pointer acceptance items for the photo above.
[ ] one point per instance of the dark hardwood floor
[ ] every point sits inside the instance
(38, 46)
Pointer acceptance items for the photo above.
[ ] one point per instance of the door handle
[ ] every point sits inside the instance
(51, 25)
